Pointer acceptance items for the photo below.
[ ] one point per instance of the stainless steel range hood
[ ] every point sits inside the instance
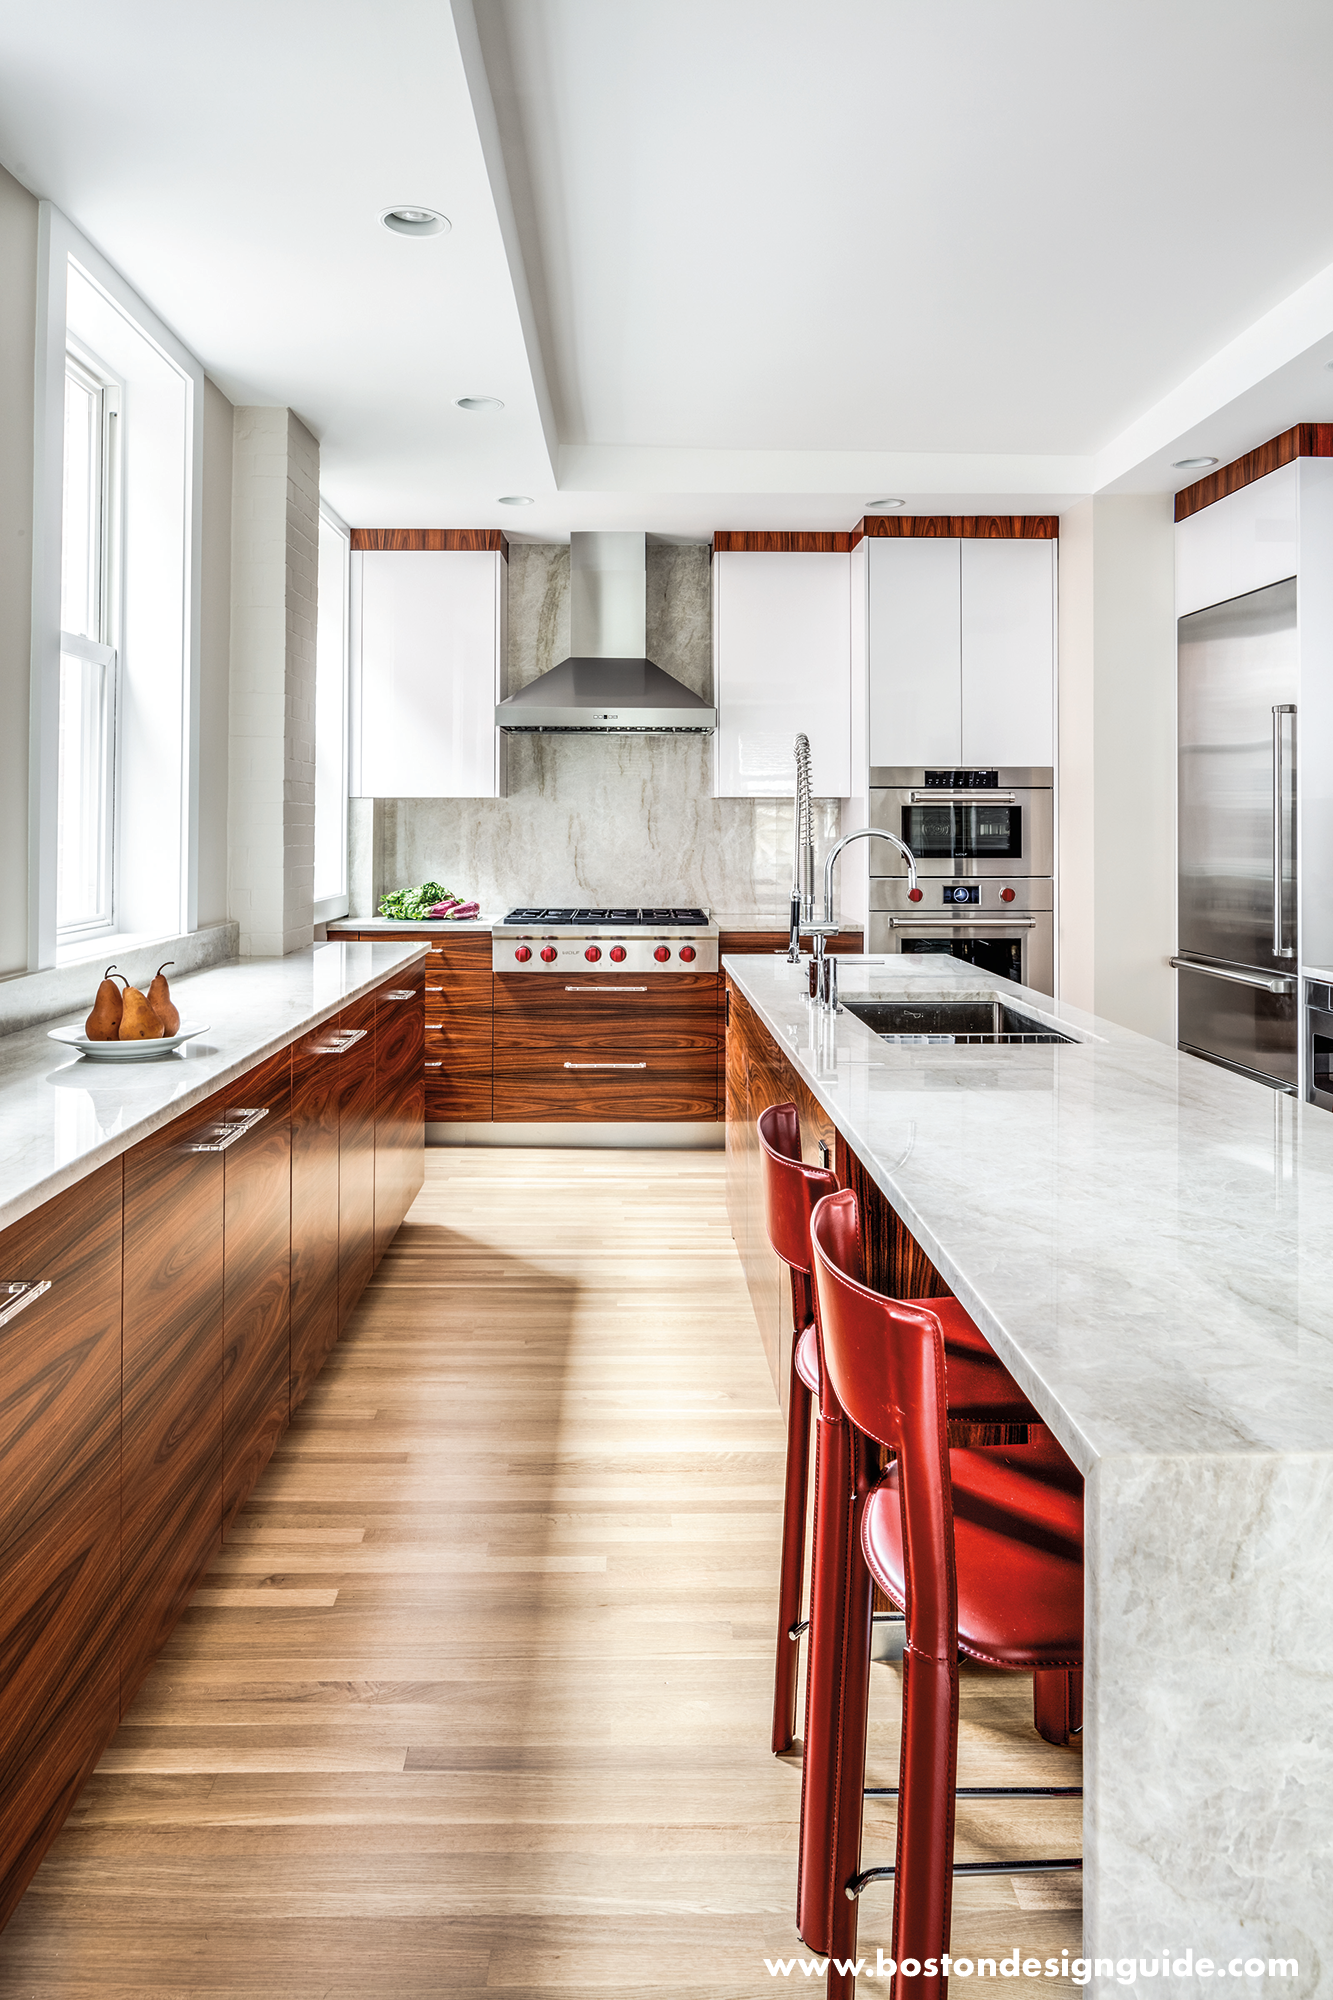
(606, 687)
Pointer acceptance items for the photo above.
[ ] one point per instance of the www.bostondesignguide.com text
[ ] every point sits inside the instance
(1012, 1966)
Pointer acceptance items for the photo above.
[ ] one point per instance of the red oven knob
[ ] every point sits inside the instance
(1006, 895)
(549, 954)
(687, 953)
(661, 954)
(593, 953)
(914, 895)
(617, 953)
(522, 954)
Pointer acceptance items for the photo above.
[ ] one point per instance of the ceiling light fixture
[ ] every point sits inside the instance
(409, 221)
(515, 499)
(1192, 464)
(478, 403)
(882, 506)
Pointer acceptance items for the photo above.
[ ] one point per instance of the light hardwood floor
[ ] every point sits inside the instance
(476, 1698)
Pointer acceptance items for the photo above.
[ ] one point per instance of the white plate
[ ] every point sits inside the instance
(75, 1038)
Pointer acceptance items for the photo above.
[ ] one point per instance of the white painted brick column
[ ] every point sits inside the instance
(274, 593)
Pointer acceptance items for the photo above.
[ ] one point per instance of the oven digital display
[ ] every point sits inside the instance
(962, 781)
(964, 832)
(961, 892)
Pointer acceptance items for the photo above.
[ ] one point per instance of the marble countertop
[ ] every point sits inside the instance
(726, 920)
(1143, 1237)
(62, 1115)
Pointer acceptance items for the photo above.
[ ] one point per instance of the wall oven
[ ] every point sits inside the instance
(974, 823)
(1003, 928)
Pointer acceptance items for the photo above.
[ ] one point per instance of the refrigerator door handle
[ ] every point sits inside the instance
(1281, 949)
(1270, 982)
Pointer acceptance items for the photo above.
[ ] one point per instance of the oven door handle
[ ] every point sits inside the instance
(962, 798)
(962, 923)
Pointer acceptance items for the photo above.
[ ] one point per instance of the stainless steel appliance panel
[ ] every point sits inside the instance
(975, 823)
(1238, 672)
(1319, 1044)
(1242, 1023)
(1014, 940)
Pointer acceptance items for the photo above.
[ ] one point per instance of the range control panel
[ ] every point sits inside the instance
(515, 950)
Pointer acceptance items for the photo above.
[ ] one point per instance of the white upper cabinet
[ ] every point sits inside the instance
(781, 664)
(1008, 652)
(961, 651)
(1239, 543)
(916, 651)
(428, 667)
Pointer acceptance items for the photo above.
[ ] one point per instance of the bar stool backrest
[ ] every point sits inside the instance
(791, 1189)
(885, 1364)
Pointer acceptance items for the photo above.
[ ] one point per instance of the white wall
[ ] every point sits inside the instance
(1118, 759)
(214, 656)
(18, 323)
(274, 615)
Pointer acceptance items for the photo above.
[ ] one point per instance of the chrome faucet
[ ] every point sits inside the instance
(826, 969)
(803, 862)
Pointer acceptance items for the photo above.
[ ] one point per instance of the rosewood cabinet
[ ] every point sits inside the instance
(400, 1103)
(619, 1046)
(257, 1240)
(59, 1515)
(458, 1030)
(171, 1412)
(352, 1054)
(314, 1271)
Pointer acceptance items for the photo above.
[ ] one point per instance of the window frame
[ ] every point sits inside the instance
(338, 904)
(103, 648)
(62, 250)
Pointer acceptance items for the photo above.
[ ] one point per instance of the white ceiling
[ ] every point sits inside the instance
(728, 262)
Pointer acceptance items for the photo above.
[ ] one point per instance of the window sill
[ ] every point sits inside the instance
(87, 951)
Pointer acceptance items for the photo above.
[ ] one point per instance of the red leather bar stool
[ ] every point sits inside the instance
(980, 1389)
(984, 1552)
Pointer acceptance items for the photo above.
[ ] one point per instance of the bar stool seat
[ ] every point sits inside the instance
(807, 1358)
(1018, 1555)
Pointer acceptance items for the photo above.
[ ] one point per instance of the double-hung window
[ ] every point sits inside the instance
(86, 837)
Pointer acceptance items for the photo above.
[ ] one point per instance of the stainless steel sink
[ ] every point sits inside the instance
(909, 1022)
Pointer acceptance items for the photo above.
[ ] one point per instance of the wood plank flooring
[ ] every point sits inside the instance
(476, 1697)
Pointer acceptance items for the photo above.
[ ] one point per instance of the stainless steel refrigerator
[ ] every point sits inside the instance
(1238, 676)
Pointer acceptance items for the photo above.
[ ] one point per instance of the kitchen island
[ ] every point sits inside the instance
(1144, 1238)
(182, 1241)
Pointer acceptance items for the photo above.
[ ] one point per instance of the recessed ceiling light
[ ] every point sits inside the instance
(478, 403)
(409, 221)
(1192, 464)
(881, 506)
(515, 499)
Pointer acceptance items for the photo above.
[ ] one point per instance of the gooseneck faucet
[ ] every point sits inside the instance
(826, 969)
(803, 862)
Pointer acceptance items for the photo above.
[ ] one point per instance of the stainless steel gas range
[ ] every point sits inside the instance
(564, 939)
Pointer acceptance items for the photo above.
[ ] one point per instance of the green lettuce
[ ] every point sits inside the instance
(413, 906)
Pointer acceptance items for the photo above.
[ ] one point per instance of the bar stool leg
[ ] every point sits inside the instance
(792, 1575)
(923, 1882)
(1057, 1703)
(849, 1777)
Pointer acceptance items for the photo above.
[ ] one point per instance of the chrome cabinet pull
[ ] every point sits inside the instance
(1269, 982)
(16, 1293)
(606, 1065)
(403, 993)
(1281, 949)
(606, 989)
(961, 798)
(962, 923)
(343, 1040)
(235, 1125)
(436, 1065)
(429, 989)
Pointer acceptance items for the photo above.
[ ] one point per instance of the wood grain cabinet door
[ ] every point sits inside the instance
(315, 1095)
(257, 1238)
(59, 1516)
(400, 1102)
(354, 1063)
(606, 1047)
(171, 1443)
(458, 1030)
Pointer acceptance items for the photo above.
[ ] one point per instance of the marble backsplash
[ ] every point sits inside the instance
(595, 819)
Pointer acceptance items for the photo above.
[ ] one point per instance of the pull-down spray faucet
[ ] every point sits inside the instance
(803, 864)
(826, 969)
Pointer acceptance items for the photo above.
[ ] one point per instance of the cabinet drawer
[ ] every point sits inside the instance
(458, 1072)
(658, 1087)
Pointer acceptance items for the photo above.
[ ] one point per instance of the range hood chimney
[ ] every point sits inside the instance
(607, 687)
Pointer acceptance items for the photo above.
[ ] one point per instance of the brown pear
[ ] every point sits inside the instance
(161, 1002)
(138, 1022)
(103, 1024)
